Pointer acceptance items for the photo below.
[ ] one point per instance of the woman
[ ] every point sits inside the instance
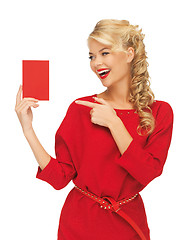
(111, 144)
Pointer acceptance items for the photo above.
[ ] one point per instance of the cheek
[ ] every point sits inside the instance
(92, 67)
(123, 63)
(121, 68)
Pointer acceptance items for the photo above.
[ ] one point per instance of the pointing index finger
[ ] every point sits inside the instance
(85, 103)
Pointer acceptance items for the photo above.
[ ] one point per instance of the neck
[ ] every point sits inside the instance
(119, 93)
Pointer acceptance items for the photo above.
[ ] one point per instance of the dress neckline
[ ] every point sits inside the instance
(119, 109)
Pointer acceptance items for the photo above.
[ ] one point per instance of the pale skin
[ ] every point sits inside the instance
(117, 93)
(25, 115)
(103, 114)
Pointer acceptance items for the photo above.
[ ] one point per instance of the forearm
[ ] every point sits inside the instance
(40, 154)
(120, 134)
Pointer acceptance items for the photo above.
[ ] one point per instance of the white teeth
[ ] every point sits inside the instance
(103, 72)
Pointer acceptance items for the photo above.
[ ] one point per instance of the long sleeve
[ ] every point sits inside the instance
(60, 170)
(145, 163)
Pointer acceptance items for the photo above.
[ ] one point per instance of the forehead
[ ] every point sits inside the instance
(95, 46)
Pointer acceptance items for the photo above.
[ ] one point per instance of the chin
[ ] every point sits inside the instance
(106, 83)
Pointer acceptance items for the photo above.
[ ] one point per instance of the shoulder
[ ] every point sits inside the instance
(74, 114)
(162, 110)
(78, 107)
(87, 97)
(159, 105)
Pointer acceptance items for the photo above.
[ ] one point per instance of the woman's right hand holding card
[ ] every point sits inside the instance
(23, 110)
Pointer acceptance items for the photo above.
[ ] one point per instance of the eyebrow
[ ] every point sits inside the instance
(100, 50)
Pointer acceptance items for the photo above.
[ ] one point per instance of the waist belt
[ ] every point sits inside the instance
(115, 207)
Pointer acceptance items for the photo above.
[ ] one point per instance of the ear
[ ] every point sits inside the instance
(130, 54)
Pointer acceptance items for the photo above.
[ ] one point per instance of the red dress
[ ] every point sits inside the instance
(87, 154)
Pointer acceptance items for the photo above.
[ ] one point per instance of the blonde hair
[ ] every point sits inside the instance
(121, 35)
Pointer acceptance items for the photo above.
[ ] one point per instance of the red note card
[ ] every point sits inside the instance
(36, 79)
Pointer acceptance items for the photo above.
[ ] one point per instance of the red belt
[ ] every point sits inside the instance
(115, 207)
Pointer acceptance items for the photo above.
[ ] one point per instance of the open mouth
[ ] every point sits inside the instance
(103, 73)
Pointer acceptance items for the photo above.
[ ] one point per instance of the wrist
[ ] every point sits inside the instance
(28, 131)
(114, 122)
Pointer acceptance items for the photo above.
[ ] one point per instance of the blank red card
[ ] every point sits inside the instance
(36, 79)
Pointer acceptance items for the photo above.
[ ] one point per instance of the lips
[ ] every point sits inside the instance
(103, 72)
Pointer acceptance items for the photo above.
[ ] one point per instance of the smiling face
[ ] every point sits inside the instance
(110, 67)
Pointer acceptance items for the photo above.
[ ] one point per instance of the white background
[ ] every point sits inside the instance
(57, 31)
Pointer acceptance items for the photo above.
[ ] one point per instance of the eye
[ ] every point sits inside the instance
(90, 57)
(105, 53)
